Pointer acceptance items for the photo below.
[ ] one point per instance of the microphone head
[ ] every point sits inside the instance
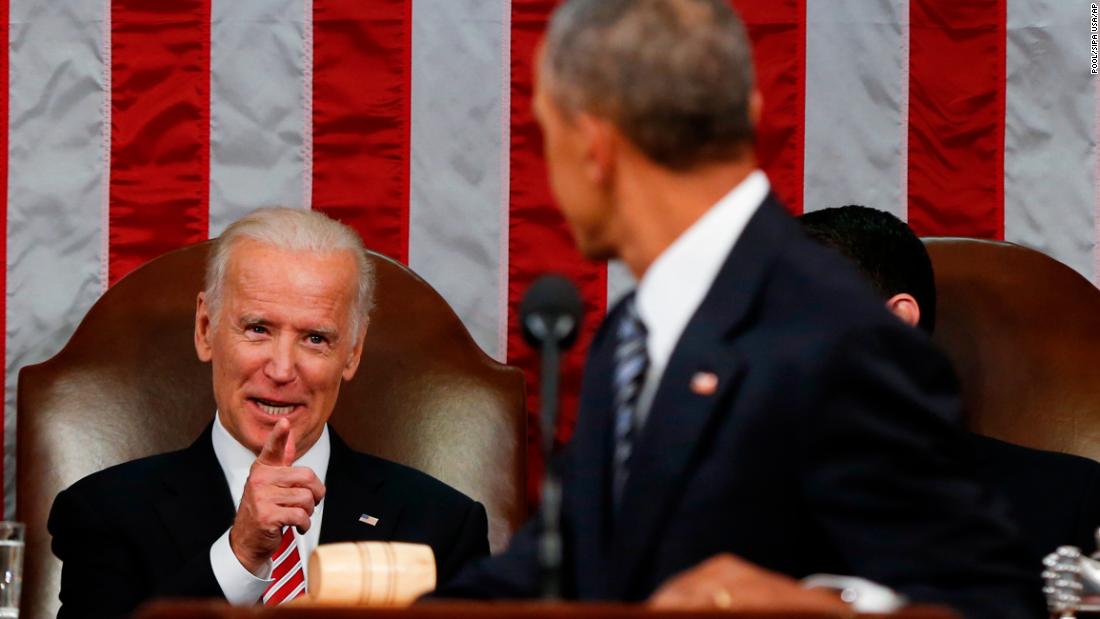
(551, 311)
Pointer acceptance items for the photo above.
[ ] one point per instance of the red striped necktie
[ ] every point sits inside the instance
(286, 571)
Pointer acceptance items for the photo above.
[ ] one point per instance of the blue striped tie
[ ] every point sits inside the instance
(631, 362)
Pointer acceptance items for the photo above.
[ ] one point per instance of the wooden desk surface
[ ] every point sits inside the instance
(526, 610)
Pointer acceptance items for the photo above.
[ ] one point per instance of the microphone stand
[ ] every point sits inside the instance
(550, 546)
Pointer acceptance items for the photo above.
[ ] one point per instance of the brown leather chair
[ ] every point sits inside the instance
(1023, 331)
(128, 385)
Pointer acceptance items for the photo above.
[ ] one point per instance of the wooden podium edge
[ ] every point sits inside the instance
(496, 610)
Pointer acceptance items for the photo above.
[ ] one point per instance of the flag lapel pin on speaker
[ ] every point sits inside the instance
(368, 519)
(704, 383)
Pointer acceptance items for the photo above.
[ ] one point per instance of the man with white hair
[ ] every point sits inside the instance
(282, 321)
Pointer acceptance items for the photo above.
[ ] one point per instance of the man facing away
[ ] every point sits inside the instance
(1053, 497)
(752, 415)
(282, 321)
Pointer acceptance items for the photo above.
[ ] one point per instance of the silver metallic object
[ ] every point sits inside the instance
(1071, 582)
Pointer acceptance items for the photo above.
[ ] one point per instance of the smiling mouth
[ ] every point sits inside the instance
(272, 408)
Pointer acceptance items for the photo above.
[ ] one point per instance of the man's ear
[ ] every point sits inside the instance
(600, 141)
(905, 307)
(352, 363)
(202, 329)
(756, 107)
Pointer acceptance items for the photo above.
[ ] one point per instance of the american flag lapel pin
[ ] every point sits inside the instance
(368, 519)
(704, 383)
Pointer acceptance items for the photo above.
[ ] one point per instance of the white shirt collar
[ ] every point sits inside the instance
(673, 287)
(236, 459)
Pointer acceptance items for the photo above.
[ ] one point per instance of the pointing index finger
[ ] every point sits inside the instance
(278, 449)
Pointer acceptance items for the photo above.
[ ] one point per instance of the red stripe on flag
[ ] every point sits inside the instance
(4, 59)
(362, 59)
(778, 32)
(957, 117)
(160, 129)
(539, 239)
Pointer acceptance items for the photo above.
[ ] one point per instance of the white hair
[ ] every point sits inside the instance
(293, 230)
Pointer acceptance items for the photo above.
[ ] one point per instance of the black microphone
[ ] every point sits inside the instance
(550, 313)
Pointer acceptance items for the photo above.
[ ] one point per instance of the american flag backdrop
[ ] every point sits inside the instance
(133, 127)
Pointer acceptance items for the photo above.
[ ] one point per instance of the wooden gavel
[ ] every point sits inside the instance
(369, 574)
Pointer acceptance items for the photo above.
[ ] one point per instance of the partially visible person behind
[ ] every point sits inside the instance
(234, 516)
(1054, 497)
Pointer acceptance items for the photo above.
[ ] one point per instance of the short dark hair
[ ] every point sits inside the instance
(674, 76)
(884, 248)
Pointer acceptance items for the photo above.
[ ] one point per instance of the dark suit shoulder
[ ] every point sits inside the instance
(1000, 453)
(83, 501)
(144, 482)
(132, 474)
(1053, 496)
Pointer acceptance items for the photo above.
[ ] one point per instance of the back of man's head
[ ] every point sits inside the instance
(674, 76)
(884, 248)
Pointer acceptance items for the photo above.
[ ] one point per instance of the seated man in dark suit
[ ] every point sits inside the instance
(235, 515)
(752, 406)
(1054, 497)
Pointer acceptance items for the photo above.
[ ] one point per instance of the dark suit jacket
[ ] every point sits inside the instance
(830, 446)
(1054, 497)
(143, 529)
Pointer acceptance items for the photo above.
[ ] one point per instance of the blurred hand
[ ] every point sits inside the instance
(729, 583)
(276, 495)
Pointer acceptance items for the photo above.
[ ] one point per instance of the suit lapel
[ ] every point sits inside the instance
(588, 483)
(354, 490)
(195, 504)
(680, 415)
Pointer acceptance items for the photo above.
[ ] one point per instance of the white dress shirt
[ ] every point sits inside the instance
(240, 586)
(673, 287)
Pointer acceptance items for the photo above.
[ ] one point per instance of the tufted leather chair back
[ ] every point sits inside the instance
(1023, 331)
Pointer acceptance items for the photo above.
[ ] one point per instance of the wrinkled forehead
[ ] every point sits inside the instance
(295, 276)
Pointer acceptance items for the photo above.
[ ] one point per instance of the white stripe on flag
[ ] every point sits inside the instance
(307, 104)
(903, 116)
(256, 107)
(855, 100)
(505, 176)
(458, 159)
(619, 282)
(1049, 131)
(56, 184)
